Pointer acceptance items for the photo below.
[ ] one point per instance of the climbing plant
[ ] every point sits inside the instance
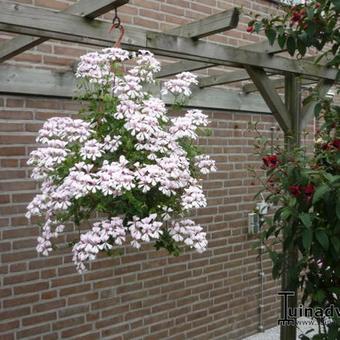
(304, 187)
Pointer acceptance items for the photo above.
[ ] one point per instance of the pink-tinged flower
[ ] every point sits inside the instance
(271, 161)
(205, 164)
(193, 198)
(295, 190)
(191, 234)
(180, 85)
(144, 230)
(96, 240)
(91, 150)
(147, 66)
(127, 149)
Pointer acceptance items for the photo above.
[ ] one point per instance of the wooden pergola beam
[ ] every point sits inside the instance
(66, 27)
(277, 83)
(225, 78)
(224, 55)
(270, 96)
(178, 67)
(85, 8)
(212, 24)
(182, 66)
(22, 81)
(237, 76)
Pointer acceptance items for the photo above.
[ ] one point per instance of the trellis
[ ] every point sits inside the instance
(255, 62)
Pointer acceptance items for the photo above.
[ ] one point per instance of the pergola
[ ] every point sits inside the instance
(254, 62)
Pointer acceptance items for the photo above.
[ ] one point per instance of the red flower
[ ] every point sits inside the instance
(309, 191)
(317, 5)
(326, 146)
(250, 29)
(296, 17)
(270, 161)
(295, 190)
(336, 143)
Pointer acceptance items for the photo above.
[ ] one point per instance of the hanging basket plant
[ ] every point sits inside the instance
(125, 159)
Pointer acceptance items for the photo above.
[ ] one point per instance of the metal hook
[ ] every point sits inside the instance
(116, 20)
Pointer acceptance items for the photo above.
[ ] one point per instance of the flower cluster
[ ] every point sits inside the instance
(306, 191)
(180, 85)
(270, 161)
(205, 164)
(191, 234)
(125, 159)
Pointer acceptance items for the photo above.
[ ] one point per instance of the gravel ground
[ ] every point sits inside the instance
(274, 333)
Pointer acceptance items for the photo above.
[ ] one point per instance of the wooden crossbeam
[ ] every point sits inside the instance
(225, 78)
(85, 8)
(270, 96)
(179, 67)
(66, 27)
(277, 83)
(22, 81)
(182, 66)
(220, 54)
(212, 24)
(62, 26)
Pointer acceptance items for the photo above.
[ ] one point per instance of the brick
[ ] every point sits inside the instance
(50, 305)
(69, 322)
(15, 257)
(84, 298)
(9, 326)
(14, 313)
(35, 287)
(37, 319)
(76, 331)
(66, 312)
(12, 151)
(16, 279)
(16, 115)
(33, 331)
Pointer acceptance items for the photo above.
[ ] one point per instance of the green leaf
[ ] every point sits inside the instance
(319, 295)
(301, 47)
(319, 192)
(306, 219)
(322, 238)
(285, 213)
(336, 244)
(271, 35)
(307, 238)
(291, 45)
(317, 109)
(281, 39)
(338, 206)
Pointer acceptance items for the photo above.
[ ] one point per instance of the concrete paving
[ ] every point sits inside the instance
(274, 333)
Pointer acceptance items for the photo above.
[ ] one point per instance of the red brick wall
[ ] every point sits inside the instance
(143, 294)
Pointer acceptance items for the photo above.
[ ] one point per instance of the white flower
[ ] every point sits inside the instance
(191, 234)
(125, 158)
(205, 164)
(180, 85)
(97, 239)
(193, 197)
(91, 150)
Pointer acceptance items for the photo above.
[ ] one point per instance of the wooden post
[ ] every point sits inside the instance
(292, 139)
